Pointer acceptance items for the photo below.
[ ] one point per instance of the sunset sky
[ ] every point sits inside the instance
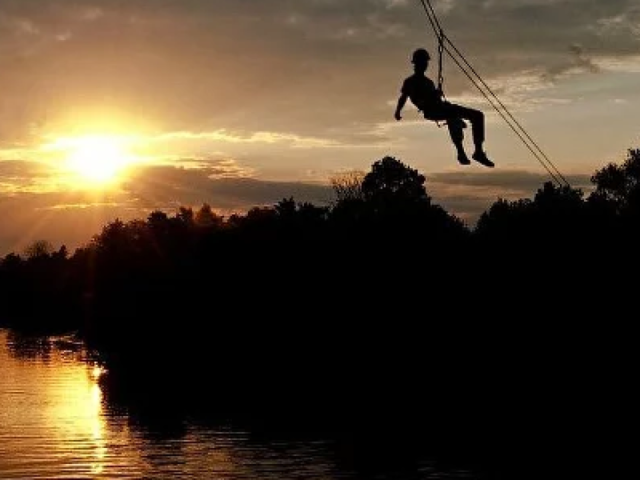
(114, 108)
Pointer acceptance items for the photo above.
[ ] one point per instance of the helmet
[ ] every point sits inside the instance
(420, 55)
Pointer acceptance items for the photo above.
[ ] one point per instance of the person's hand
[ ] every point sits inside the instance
(398, 116)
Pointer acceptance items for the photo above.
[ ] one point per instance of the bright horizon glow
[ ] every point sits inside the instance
(94, 161)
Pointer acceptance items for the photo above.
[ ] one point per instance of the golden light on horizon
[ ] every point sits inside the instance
(93, 161)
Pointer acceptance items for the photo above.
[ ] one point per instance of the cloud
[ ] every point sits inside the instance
(304, 68)
(521, 181)
(578, 62)
(20, 170)
(169, 187)
(621, 23)
(61, 218)
(72, 218)
(469, 194)
(23, 176)
(210, 165)
(258, 137)
(233, 90)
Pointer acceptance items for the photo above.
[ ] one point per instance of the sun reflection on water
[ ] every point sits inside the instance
(96, 372)
(100, 447)
(57, 422)
(78, 417)
(52, 413)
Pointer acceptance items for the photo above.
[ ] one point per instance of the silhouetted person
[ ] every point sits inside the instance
(428, 98)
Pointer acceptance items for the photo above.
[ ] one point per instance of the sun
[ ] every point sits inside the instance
(97, 159)
(92, 161)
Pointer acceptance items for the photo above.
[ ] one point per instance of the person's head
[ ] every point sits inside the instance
(420, 59)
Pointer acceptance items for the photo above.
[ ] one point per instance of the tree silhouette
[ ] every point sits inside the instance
(206, 217)
(618, 186)
(186, 216)
(347, 186)
(39, 248)
(392, 182)
(557, 212)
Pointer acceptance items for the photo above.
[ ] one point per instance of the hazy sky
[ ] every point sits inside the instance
(243, 102)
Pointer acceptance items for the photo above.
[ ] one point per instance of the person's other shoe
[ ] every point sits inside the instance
(463, 159)
(481, 158)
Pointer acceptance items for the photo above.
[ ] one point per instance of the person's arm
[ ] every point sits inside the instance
(402, 99)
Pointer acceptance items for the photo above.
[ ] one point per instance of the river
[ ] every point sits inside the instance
(57, 423)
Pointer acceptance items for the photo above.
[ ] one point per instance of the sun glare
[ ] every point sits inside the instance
(94, 160)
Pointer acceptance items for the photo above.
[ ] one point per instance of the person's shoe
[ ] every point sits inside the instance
(463, 159)
(481, 157)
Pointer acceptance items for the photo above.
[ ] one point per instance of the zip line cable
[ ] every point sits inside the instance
(441, 37)
(510, 115)
(435, 24)
(520, 135)
(539, 154)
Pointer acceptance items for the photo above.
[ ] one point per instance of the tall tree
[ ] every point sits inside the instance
(619, 185)
(391, 181)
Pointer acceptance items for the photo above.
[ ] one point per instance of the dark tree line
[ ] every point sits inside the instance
(382, 248)
(382, 302)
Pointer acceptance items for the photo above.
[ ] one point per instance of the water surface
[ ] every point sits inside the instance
(57, 423)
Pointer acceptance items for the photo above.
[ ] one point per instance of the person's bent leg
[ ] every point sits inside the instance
(476, 117)
(455, 126)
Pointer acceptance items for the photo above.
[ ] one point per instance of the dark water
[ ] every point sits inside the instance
(56, 422)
